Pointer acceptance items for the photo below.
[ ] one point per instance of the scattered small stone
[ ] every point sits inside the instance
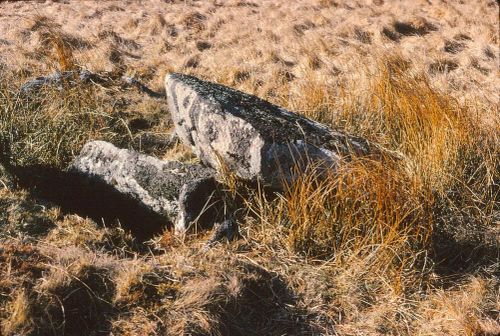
(56, 79)
(143, 88)
(71, 78)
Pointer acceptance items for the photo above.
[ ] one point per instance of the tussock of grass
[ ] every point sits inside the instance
(50, 128)
(364, 206)
(19, 313)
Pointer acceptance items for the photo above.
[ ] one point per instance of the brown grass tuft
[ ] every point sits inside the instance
(19, 316)
(363, 207)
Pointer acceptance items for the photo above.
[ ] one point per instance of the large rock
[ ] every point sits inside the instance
(154, 183)
(250, 136)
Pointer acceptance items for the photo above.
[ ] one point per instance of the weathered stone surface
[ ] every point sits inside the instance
(153, 182)
(250, 136)
(56, 79)
(198, 204)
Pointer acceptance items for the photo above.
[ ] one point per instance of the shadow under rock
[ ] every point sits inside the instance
(76, 193)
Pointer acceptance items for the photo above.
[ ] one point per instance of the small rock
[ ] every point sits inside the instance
(71, 78)
(56, 79)
(154, 183)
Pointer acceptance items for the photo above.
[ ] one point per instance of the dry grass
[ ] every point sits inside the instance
(460, 311)
(18, 314)
(365, 206)
(401, 244)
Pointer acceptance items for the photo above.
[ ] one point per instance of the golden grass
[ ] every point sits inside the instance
(18, 315)
(354, 252)
(460, 310)
(365, 205)
(51, 127)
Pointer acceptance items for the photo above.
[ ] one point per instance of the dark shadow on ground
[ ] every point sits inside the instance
(458, 257)
(79, 307)
(90, 197)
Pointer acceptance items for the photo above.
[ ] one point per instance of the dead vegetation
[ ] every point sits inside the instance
(405, 244)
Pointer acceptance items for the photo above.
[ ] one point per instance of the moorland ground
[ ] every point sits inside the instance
(406, 246)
